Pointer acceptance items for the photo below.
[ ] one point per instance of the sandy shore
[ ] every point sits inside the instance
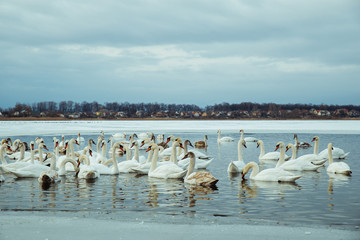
(30, 226)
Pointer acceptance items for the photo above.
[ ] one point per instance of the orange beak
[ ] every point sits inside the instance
(148, 149)
(277, 147)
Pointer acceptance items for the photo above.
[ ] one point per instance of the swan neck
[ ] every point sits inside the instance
(282, 156)
(240, 158)
(136, 156)
(330, 155)
(255, 170)
(293, 156)
(154, 160)
(191, 167)
(53, 162)
(173, 157)
(150, 156)
(22, 152)
(2, 152)
(316, 147)
(262, 149)
(103, 153)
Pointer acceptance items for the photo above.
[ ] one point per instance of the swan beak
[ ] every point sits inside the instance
(242, 175)
(244, 145)
(167, 140)
(142, 143)
(190, 144)
(76, 142)
(313, 139)
(56, 144)
(122, 148)
(93, 142)
(132, 144)
(9, 148)
(287, 148)
(257, 146)
(46, 148)
(277, 147)
(148, 149)
(180, 145)
(90, 152)
(66, 145)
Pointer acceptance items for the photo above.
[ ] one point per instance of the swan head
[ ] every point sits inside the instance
(242, 142)
(189, 155)
(279, 145)
(246, 169)
(295, 136)
(187, 142)
(32, 145)
(241, 130)
(330, 146)
(316, 138)
(135, 143)
(42, 145)
(259, 142)
(290, 145)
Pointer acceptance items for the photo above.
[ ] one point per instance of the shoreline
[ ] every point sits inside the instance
(79, 226)
(168, 119)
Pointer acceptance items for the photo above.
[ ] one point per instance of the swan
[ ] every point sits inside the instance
(79, 138)
(50, 175)
(200, 157)
(313, 158)
(119, 136)
(86, 171)
(247, 139)
(30, 171)
(2, 178)
(128, 165)
(224, 139)
(337, 153)
(336, 167)
(204, 179)
(201, 144)
(62, 142)
(269, 175)
(237, 166)
(294, 164)
(269, 155)
(165, 171)
(298, 144)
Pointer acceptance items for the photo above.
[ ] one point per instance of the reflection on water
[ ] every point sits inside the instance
(316, 198)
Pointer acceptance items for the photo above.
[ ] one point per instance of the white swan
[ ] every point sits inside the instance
(337, 153)
(79, 138)
(269, 175)
(247, 139)
(205, 179)
(50, 175)
(294, 164)
(170, 170)
(224, 139)
(270, 155)
(86, 171)
(237, 166)
(336, 167)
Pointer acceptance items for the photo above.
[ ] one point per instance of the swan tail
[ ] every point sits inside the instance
(344, 155)
(232, 168)
(319, 162)
(289, 178)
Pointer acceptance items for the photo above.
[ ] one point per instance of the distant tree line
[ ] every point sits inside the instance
(88, 109)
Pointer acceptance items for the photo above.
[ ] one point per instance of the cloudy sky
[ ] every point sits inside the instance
(178, 51)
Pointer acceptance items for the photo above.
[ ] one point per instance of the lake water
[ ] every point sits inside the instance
(315, 199)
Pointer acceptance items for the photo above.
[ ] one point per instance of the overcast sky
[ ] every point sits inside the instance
(179, 51)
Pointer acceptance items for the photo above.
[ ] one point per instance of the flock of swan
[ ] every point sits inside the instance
(163, 158)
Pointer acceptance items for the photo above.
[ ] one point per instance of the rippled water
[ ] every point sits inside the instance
(314, 199)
